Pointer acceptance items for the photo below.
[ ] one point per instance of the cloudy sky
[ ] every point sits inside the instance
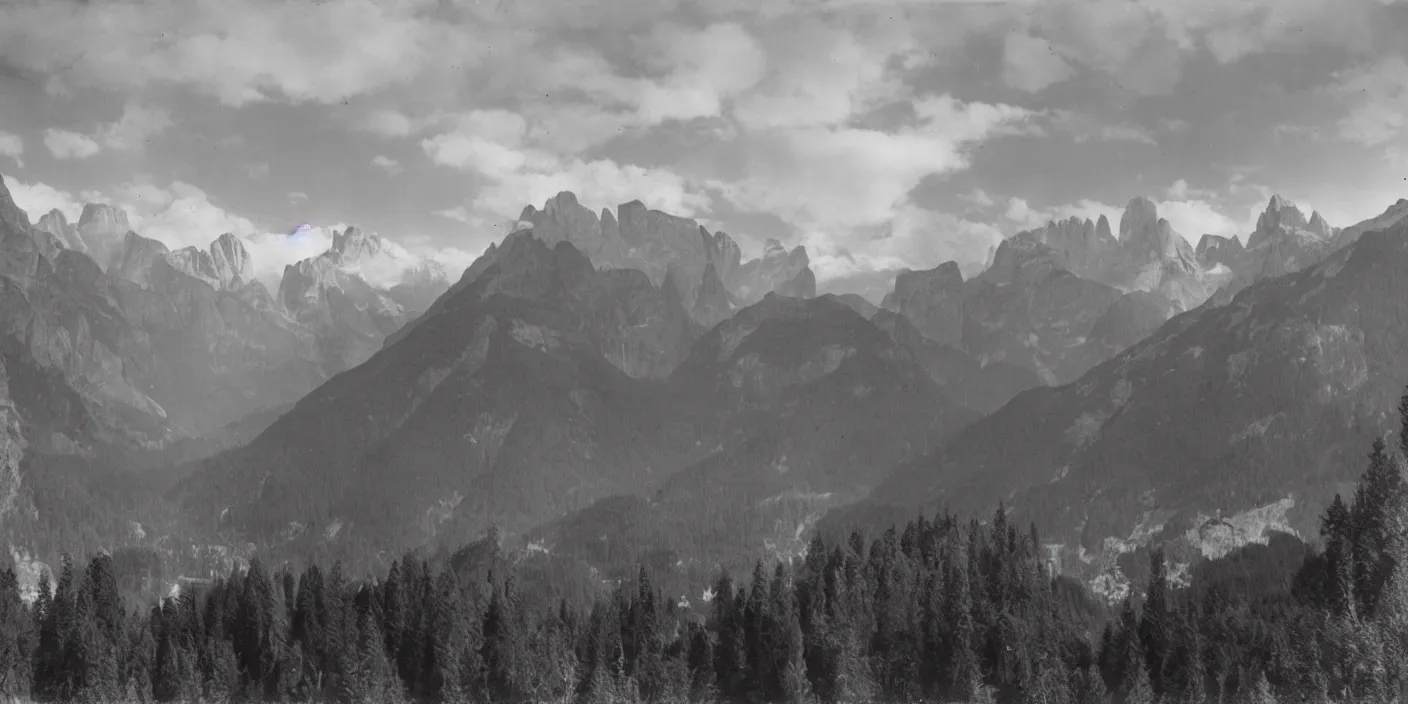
(879, 133)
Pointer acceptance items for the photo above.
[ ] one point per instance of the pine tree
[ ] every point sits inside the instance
(1379, 491)
(52, 677)
(701, 664)
(793, 686)
(1154, 627)
(760, 670)
(1131, 663)
(963, 676)
(1139, 690)
(14, 627)
(1337, 530)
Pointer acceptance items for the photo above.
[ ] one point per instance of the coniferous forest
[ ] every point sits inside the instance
(941, 610)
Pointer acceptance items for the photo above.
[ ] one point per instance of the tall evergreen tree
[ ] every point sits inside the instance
(1379, 491)
(1154, 626)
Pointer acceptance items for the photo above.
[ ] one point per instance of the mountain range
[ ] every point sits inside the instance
(601, 389)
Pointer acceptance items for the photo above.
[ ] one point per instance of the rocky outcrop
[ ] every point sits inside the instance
(659, 243)
(349, 317)
(776, 269)
(57, 225)
(420, 286)
(1391, 216)
(61, 327)
(711, 302)
(1026, 310)
(1043, 301)
(226, 265)
(934, 300)
(1285, 241)
(103, 228)
(563, 219)
(135, 260)
(803, 285)
(1083, 247)
(1214, 251)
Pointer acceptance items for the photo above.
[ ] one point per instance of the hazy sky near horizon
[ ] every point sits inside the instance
(879, 133)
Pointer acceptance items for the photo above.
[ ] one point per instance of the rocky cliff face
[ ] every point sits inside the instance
(348, 316)
(103, 228)
(57, 225)
(61, 321)
(1265, 403)
(226, 265)
(420, 286)
(1285, 241)
(1026, 310)
(1038, 303)
(658, 243)
(712, 302)
(164, 345)
(933, 300)
(134, 261)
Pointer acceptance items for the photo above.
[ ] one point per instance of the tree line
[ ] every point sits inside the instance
(940, 610)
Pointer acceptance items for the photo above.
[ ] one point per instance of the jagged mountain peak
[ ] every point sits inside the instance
(10, 213)
(1140, 218)
(1102, 228)
(225, 265)
(355, 244)
(104, 215)
(55, 217)
(1281, 214)
(563, 200)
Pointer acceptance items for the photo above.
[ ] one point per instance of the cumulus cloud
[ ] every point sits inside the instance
(65, 144)
(917, 238)
(820, 178)
(1193, 218)
(1379, 95)
(297, 197)
(132, 131)
(1085, 128)
(1024, 216)
(978, 197)
(456, 213)
(387, 164)
(12, 146)
(1031, 63)
(702, 70)
(238, 51)
(494, 145)
(135, 128)
(36, 199)
(824, 74)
